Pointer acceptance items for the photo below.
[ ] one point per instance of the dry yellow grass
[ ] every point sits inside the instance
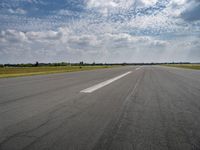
(187, 66)
(6, 72)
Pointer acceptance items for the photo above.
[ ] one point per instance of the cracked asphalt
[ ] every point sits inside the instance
(152, 108)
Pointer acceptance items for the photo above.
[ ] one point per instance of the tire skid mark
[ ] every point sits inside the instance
(111, 131)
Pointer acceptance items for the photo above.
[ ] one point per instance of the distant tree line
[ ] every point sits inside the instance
(37, 64)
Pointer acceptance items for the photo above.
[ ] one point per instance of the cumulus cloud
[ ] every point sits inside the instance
(65, 45)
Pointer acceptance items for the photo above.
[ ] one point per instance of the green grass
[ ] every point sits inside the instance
(187, 66)
(7, 72)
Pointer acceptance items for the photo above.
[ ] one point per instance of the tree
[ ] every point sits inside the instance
(81, 63)
(36, 64)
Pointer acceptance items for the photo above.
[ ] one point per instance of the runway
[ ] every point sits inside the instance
(122, 108)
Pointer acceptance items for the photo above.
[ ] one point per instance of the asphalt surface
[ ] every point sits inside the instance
(151, 108)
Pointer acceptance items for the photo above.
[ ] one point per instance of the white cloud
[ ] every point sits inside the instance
(17, 11)
(107, 30)
(66, 45)
(109, 3)
(149, 2)
(13, 36)
(65, 12)
(179, 2)
(107, 6)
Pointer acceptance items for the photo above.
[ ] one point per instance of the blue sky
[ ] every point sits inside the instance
(99, 30)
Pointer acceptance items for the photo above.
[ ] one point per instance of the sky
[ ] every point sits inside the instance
(102, 31)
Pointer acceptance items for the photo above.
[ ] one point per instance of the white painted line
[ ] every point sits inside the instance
(138, 68)
(102, 84)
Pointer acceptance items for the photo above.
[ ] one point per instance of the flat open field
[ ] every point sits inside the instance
(27, 71)
(187, 66)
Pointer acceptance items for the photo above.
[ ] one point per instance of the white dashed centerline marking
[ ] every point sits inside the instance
(137, 68)
(102, 84)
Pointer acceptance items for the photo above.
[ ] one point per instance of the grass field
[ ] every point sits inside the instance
(187, 66)
(6, 72)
